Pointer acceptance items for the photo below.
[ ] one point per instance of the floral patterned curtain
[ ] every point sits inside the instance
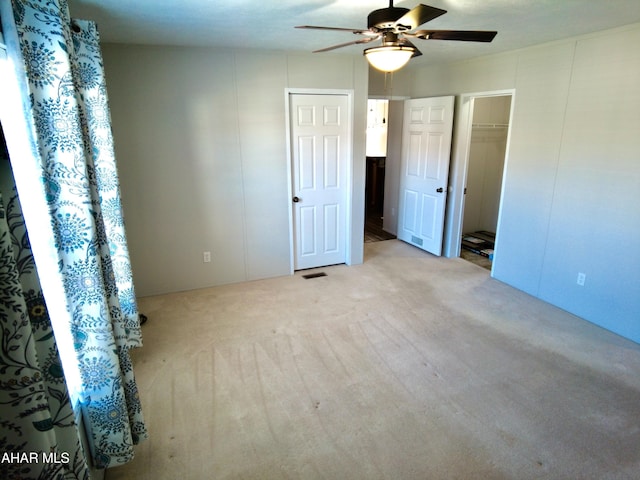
(60, 75)
(39, 437)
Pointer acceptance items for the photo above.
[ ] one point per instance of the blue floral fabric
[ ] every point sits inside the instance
(37, 417)
(67, 104)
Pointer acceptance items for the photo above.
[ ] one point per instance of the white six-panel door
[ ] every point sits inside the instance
(426, 148)
(319, 142)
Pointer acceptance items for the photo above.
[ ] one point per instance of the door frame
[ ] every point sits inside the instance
(393, 161)
(461, 147)
(349, 173)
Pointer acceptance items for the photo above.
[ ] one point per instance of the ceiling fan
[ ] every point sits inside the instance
(395, 25)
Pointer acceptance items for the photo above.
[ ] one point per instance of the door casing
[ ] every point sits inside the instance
(349, 171)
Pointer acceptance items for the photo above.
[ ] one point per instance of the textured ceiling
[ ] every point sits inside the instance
(268, 24)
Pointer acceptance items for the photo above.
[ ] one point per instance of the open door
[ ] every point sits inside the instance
(426, 148)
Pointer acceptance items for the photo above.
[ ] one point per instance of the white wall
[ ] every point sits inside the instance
(486, 163)
(200, 139)
(571, 196)
(389, 85)
(392, 167)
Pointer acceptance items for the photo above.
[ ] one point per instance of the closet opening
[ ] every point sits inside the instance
(483, 178)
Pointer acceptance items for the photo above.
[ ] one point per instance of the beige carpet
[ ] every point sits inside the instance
(405, 367)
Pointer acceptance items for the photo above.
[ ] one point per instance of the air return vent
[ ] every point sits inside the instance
(314, 275)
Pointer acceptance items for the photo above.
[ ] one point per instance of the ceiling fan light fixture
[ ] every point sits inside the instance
(389, 58)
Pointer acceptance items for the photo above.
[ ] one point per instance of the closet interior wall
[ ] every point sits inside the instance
(486, 163)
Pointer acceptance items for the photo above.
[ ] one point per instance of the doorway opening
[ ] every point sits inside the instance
(483, 176)
(376, 155)
(489, 130)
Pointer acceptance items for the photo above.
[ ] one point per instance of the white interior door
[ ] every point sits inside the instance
(319, 154)
(426, 148)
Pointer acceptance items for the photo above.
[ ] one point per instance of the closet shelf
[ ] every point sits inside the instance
(490, 125)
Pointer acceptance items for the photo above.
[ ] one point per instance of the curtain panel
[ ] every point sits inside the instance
(72, 173)
(39, 437)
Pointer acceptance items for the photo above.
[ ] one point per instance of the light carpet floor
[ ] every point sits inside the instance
(406, 367)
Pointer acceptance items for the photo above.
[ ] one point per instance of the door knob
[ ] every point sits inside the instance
(440, 190)
(295, 199)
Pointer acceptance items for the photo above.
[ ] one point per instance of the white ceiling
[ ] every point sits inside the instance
(268, 24)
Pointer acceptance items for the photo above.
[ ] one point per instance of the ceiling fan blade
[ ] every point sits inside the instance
(419, 15)
(461, 35)
(356, 42)
(352, 30)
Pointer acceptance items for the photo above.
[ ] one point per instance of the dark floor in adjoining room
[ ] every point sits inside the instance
(373, 231)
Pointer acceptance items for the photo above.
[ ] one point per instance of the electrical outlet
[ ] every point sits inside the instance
(581, 278)
(206, 257)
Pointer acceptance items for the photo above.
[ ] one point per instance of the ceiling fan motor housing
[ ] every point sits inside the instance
(385, 19)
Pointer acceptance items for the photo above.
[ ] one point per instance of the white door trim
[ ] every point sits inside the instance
(463, 124)
(349, 217)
